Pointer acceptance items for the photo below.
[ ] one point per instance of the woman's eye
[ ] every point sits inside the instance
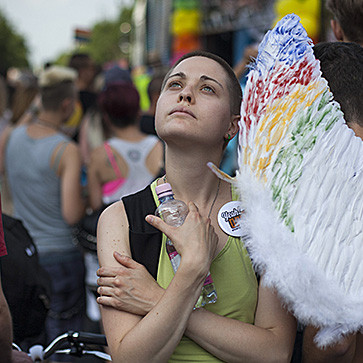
(208, 89)
(174, 85)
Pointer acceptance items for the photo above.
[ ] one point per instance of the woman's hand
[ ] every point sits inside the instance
(129, 287)
(196, 240)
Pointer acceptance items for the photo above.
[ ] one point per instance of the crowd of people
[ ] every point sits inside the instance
(74, 141)
(77, 132)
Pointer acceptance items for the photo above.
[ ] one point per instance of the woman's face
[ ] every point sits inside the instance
(194, 105)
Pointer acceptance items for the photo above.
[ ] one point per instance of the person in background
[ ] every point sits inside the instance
(147, 121)
(5, 113)
(346, 86)
(24, 96)
(5, 116)
(123, 164)
(152, 317)
(25, 92)
(5, 321)
(249, 54)
(94, 131)
(347, 22)
(129, 160)
(5, 318)
(44, 167)
(86, 70)
(7, 354)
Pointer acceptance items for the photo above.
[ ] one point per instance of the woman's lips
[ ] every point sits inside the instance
(181, 109)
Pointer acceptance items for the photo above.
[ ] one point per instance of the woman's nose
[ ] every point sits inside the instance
(186, 95)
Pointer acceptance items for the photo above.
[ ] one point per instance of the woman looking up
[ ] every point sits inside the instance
(154, 321)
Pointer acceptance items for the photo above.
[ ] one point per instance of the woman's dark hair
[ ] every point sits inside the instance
(234, 88)
(121, 102)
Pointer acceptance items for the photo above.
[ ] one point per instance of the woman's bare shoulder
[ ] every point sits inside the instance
(112, 233)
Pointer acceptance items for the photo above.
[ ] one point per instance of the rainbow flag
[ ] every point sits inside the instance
(82, 35)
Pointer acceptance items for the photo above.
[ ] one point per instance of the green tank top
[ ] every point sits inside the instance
(236, 285)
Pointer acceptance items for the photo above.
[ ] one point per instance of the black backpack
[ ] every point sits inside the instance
(26, 284)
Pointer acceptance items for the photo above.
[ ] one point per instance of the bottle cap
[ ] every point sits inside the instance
(163, 190)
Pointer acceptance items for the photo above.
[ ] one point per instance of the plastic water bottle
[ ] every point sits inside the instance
(174, 212)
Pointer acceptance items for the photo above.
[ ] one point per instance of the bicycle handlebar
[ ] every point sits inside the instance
(90, 338)
(75, 342)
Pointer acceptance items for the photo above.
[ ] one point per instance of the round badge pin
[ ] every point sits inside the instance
(229, 217)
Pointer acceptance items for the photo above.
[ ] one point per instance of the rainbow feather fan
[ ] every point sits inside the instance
(300, 180)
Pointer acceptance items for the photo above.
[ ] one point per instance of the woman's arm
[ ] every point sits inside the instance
(155, 336)
(130, 287)
(271, 339)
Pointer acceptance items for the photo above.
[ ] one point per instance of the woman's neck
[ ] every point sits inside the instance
(190, 177)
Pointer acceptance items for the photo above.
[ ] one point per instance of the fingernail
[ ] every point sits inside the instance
(149, 218)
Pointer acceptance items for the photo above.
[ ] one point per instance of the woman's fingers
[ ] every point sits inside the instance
(125, 261)
(107, 301)
(105, 291)
(157, 223)
(162, 226)
(107, 271)
(106, 281)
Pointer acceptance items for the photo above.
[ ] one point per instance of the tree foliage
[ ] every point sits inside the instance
(107, 40)
(104, 44)
(13, 48)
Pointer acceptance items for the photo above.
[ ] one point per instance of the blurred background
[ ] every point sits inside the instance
(143, 37)
(142, 33)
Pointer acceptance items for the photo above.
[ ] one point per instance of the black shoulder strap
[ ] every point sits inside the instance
(145, 240)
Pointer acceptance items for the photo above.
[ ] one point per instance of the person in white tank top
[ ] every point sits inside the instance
(123, 164)
(129, 160)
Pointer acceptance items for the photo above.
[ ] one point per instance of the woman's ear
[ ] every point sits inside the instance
(233, 127)
(232, 130)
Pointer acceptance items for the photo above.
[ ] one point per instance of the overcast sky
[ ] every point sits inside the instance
(48, 25)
